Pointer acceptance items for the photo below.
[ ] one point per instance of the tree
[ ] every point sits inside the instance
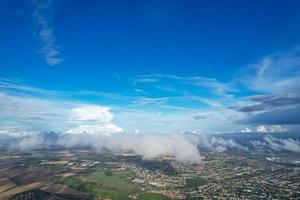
(108, 172)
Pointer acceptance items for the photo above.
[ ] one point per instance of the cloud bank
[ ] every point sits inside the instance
(276, 144)
(182, 147)
(265, 129)
(149, 146)
(218, 144)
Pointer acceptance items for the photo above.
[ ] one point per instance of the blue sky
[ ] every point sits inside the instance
(155, 66)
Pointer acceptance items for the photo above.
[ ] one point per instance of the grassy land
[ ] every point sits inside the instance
(151, 196)
(119, 180)
(118, 186)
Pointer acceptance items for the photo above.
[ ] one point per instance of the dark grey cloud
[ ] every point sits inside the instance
(199, 117)
(289, 116)
(253, 108)
(278, 100)
(268, 102)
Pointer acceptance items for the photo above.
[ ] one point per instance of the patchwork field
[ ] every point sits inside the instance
(6, 184)
(22, 188)
(70, 178)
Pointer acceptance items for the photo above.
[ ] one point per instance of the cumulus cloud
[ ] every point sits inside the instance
(94, 120)
(246, 130)
(261, 129)
(265, 129)
(278, 129)
(97, 129)
(92, 113)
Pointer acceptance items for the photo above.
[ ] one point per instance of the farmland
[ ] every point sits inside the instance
(69, 177)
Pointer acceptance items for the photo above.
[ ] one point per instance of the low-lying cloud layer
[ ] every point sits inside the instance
(219, 144)
(276, 144)
(147, 145)
(182, 147)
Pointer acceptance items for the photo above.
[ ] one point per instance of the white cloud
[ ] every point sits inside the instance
(271, 129)
(137, 131)
(266, 129)
(15, 134)
(262, 129)
(277, 129)
(92, 113)
(99, 129)
(94, 120)
(246, 130)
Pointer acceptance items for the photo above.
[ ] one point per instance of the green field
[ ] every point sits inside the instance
(118, 186)
(151, 196)
(194, 183)
(95, 188)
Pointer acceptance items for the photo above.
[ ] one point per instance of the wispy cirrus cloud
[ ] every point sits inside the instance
(42, 20)
(274, 82)
(275, 73)
(211, 84)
